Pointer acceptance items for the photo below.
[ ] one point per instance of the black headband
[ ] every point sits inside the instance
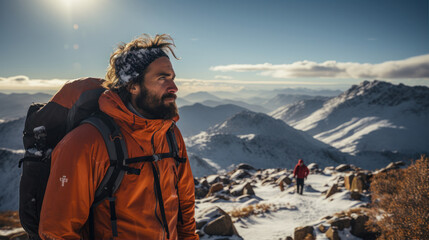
(131, 64)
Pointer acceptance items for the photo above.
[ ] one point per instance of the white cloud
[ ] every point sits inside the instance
(223, 77)
(21, 82)
(414, 67)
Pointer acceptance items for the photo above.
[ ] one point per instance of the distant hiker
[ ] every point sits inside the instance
(300, 172)
(155, 198)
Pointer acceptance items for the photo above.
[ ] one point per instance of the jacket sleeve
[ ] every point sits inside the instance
(306, 171)
(295, 171)
(186, 230)
(71, 186)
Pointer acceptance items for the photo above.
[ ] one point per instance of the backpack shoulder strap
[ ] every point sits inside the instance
(117, 150)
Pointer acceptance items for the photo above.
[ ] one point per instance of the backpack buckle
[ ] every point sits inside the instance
(116, 136)
(156, 157)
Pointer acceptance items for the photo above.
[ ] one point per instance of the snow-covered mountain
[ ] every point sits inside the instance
(373, 117)
(11, 134)
(297, 111)
(15, 105)
(198, 117)
(10, 176)
(199, 97)
(259, 140)
(280, 100)
(243, 104)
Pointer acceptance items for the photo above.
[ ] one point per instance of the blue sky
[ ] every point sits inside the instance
(223, 45)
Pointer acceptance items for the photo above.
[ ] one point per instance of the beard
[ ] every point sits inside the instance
(155, 106)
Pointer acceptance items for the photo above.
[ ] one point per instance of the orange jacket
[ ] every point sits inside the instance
(79, 163)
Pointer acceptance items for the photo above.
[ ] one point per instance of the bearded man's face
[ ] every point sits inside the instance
(155, 97)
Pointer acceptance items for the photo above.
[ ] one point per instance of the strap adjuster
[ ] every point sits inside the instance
(156, 157)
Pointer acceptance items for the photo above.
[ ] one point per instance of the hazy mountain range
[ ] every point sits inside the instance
(369, 125)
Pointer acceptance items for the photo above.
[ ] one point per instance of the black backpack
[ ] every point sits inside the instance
(46, 124)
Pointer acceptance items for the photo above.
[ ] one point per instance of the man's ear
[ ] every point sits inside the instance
(134, 89)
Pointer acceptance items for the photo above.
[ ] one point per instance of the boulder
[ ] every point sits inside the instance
(332, 234)
(348, 179)
(332, 190)
(340, 223)
(242, 189)
(358, 226)
(322, 228)
(313, 166)
(267, 181)
(240, 174)
(355, 195)
(204, 183)
(201, 192)
(221, 226)
(212, 179)
(343, 167)
(358, 184)
(310, 237)
(301, 232)
(245, 167)
(284, 179)
(201, 223)
(215, 188)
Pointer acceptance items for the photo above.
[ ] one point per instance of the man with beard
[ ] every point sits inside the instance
(157, 203)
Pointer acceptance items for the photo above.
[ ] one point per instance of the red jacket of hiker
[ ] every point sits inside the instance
(79, 163)
(300, 171)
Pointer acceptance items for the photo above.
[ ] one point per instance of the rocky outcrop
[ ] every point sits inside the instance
(242, 189)
(215, 222)
(332, 190)
(332, 234)
(302, 232)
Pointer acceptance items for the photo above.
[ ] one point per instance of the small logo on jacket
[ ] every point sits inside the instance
(63, 180)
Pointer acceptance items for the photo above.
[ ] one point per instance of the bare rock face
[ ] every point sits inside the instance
(332, 234)
(301, 232)
(332, 190)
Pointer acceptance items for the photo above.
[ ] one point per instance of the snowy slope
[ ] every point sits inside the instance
(198, 117)
(280, 100)
(11, 134)
(15, 105)
(256, 139)
(10, 175)
(294, 112)
(288, 210)
(244, 104)
(373, 117)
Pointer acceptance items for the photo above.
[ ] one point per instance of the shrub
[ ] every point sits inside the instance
(400, 206)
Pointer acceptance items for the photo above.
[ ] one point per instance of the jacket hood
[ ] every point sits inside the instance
(111, 104)
(300, 161)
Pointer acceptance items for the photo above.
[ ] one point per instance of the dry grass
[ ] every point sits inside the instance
(9, 219)
(256, 209)
(401, 202)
